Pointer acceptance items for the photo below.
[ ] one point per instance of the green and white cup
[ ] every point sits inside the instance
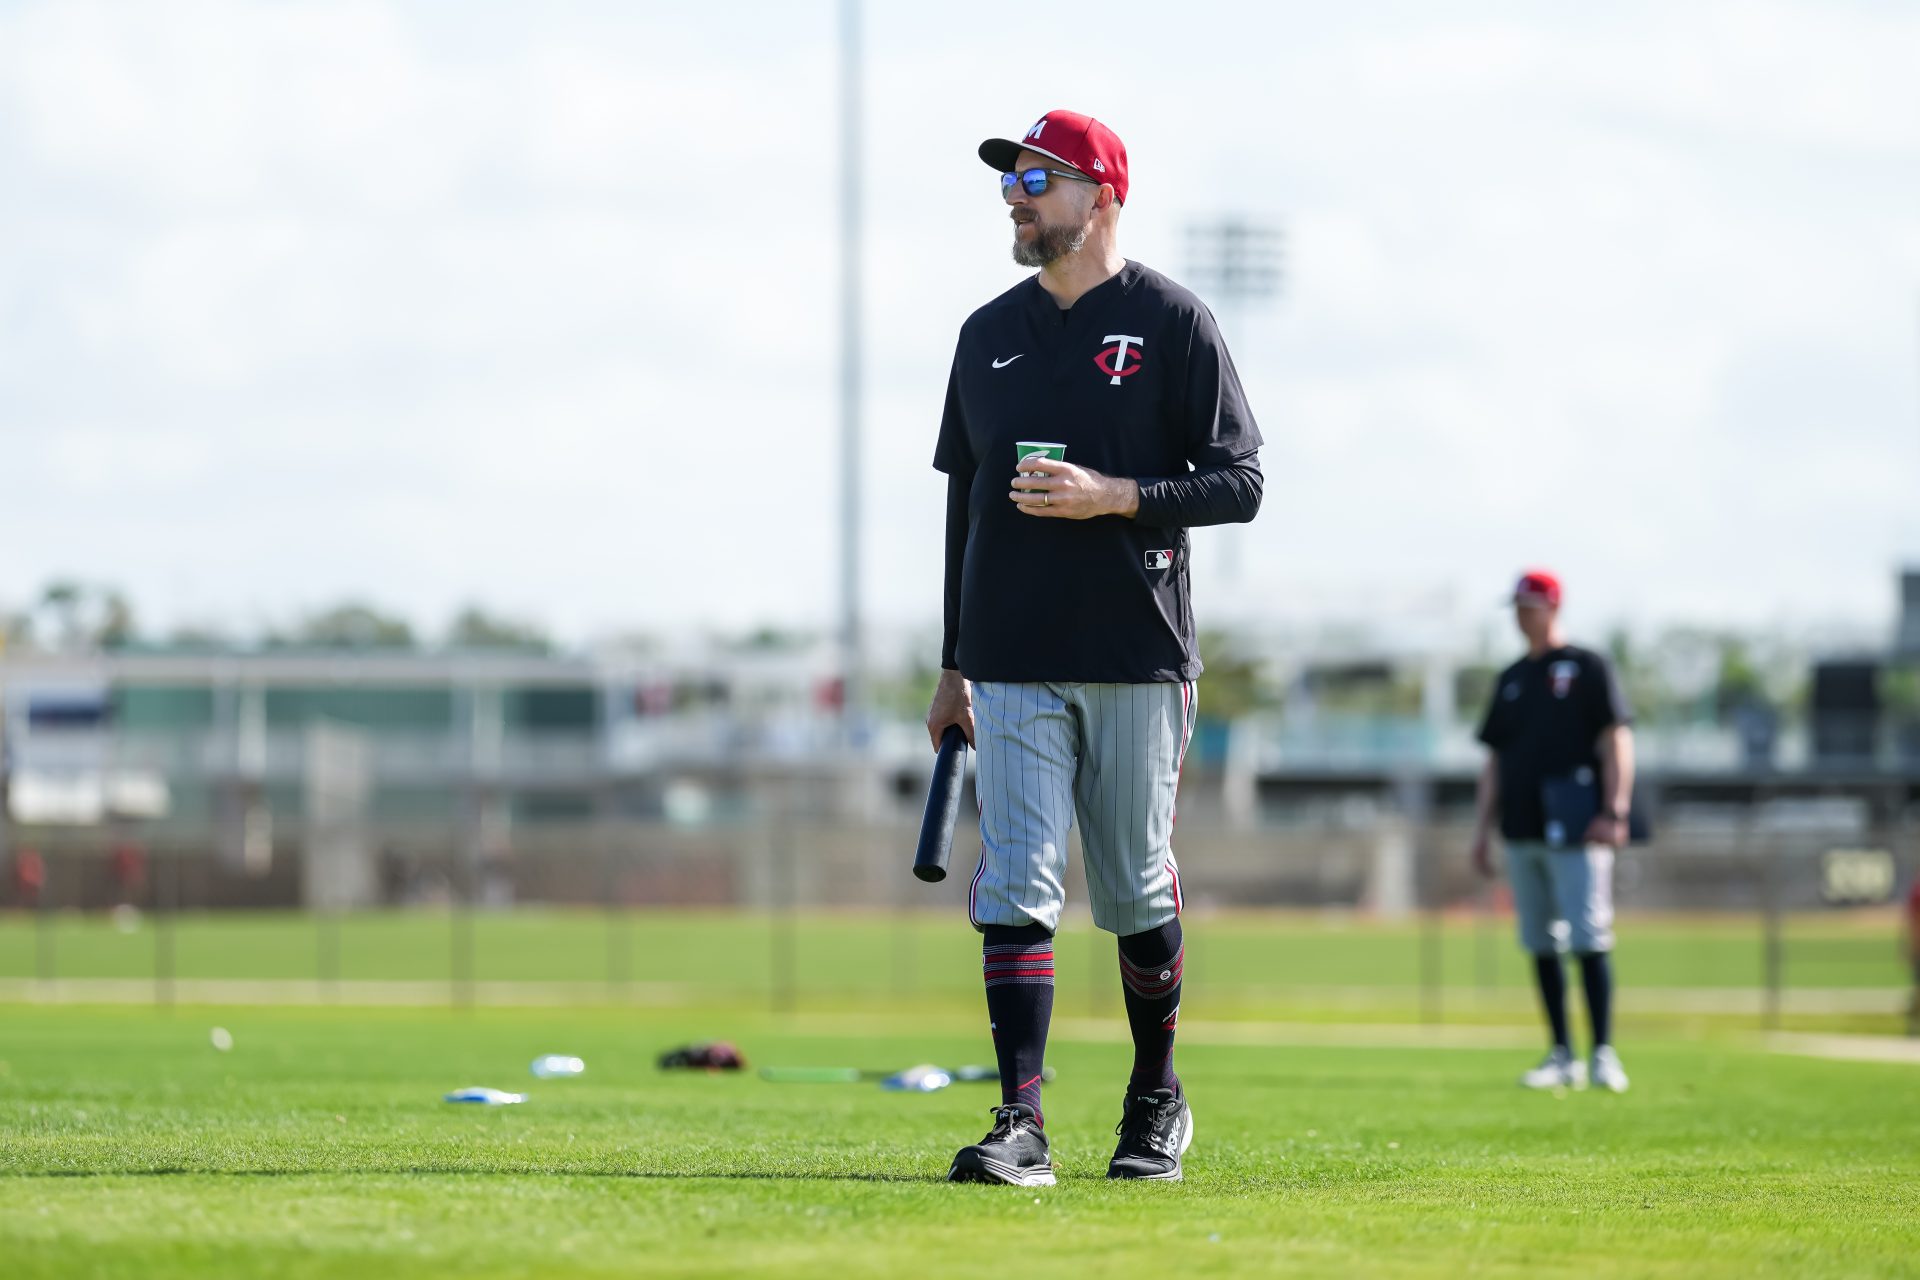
(1024, 449)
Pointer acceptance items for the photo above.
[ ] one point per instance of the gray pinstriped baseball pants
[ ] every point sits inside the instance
(1106, 755)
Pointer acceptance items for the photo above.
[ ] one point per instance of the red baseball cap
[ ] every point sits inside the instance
(1537, 587)
(1079, 142)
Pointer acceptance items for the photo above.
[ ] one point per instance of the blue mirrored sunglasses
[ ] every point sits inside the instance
(1035, 181)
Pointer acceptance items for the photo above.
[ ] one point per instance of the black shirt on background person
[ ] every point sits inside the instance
(1544, 722)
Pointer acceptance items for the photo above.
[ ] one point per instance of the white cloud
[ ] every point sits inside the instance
(538, 307)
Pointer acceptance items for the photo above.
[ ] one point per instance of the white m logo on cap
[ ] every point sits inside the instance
(1035, 131)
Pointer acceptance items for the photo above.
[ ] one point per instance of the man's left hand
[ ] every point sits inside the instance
(1060, 490)
(1608, 831)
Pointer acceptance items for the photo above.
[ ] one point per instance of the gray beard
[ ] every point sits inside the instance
(1047, 248)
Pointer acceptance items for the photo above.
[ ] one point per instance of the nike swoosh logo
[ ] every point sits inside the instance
(1001, 364)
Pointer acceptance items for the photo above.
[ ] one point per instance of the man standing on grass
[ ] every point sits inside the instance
(1560, 775)
(1092, 417)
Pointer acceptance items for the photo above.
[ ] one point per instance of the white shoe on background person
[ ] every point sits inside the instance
(1607, 1071)
(1558, 1070)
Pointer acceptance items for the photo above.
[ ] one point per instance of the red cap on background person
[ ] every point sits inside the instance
(1080, 142)
(1538, 588)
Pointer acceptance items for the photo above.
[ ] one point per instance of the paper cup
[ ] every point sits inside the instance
(1024, 449)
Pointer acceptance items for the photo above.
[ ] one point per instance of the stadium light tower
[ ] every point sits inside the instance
(852, 682)
(1234, 261)
(1234, 264)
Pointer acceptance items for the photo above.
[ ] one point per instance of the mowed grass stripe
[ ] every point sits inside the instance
(914, 954)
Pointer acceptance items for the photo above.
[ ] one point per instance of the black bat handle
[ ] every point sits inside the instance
(943, 807)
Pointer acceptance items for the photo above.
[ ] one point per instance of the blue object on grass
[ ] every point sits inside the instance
(925, 1078)
(486, 1097)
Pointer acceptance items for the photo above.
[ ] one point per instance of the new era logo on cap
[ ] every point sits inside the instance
(1077, 141)
(1537, 586)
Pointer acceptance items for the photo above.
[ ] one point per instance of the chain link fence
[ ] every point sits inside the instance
(1363, 905)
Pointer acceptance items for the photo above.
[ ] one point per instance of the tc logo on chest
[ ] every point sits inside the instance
(1113, 360)
(1563, 674)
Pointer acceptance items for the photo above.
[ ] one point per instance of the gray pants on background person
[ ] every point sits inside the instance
(1562, 897)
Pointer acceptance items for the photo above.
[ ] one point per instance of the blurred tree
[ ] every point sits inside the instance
(905, 694)
(84, 616)
(1739, 684)
(352, 625)
(117, 628)
(1900, 693)
(1639, 678)
(62, 598)
(1366, 689)
(16, 631)
(1473, 689)
(200, 638)
(1688, 660)
(769, 638)
(474, 628)
(1234, 685)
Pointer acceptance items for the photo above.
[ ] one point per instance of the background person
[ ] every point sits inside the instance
(1559, 773)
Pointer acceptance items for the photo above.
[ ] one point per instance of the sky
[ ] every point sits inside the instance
(534, 305)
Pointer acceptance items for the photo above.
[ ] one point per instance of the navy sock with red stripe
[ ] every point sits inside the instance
(1151, 965)
(1018, 963)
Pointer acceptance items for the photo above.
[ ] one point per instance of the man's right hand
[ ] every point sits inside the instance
(1482, 855)
(952, 704)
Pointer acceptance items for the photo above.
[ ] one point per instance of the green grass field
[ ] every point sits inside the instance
(318, 1147)
(1333, 1137)
(1262, 962)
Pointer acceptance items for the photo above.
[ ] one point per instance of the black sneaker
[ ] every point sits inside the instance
(1013, 1151)
(1154, 1133)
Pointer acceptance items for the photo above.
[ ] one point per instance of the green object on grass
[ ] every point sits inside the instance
(817, 1075)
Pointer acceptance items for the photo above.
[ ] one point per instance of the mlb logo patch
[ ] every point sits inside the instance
(1159, 559)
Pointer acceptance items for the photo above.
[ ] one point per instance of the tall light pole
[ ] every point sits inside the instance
(1233, 263)
(852, 688)
(1234, 260)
